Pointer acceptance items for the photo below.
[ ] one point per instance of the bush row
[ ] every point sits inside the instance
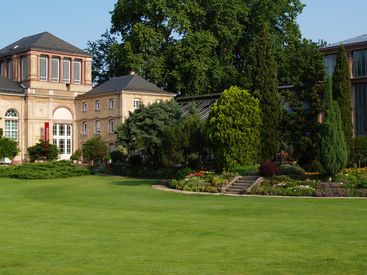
(46, 170)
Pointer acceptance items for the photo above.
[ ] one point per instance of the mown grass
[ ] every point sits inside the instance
(110, 225)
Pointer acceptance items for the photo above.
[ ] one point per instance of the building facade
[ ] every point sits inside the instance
(46, 93)
(357, 53)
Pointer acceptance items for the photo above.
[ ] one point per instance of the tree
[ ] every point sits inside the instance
(184, 141)
(300, 120)
(333, 147)
(265, 88)
(342, 94)
(143, 130)
(234, 126)
(95, 149)
(191, 46)
(8, 148)
(43, 150)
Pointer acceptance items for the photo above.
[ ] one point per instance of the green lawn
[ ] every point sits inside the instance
(108, 225)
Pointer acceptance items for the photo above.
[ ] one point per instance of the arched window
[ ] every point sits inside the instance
(11, 124)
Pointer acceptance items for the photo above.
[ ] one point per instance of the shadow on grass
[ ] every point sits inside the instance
(136, 182)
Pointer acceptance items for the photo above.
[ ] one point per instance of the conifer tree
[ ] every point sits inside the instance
(265, 88)
(342, 94)
(333, 147)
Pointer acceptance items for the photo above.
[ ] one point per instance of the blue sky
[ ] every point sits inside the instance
(78, 21)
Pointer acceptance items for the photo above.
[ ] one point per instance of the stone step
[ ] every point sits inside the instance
(241, 185)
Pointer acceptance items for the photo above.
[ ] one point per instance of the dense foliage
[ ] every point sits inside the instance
(333, 147)
(234, 125)
(265, 88)
(191, 46)
(95, 150)
(342, 93)
(304, 104)
(184, 143)
(8, 148)
(144, 129)
(46, 170)
(44, 151)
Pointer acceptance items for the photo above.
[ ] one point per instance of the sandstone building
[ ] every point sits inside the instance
(46, 93)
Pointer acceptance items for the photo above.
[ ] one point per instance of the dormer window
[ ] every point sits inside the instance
(77, 66)
(24, 68)
(10, 69)
(55, 69)
(43, 68)
(66, 70)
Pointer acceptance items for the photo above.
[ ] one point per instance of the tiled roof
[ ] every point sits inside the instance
(352, 41)
(126, 83)
(10, 86)
(41, 41)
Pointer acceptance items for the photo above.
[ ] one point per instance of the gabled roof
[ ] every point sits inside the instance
(126, 83)
(361, 39)
(41, 41)
(10, 86)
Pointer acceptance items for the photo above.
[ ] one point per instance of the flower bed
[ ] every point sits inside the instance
(353, 184)
(201, 181)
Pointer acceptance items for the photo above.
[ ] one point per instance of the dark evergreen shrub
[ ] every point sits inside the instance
(268, 169)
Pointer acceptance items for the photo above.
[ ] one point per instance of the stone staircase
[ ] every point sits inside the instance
(242, 184)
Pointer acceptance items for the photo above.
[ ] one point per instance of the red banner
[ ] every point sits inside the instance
(46, 136)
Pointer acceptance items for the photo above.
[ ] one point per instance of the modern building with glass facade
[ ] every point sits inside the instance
(357, 53)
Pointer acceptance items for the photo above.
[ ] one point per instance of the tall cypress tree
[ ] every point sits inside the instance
(342, 93)
(265, 87)
(333, 147)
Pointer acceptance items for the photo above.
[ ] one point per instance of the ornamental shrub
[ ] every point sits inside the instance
(95, 150)
(333, 148)
(289, 169)
(234, 126)
(44, 151)
(342, 94)
(8, 148)
(268, 169)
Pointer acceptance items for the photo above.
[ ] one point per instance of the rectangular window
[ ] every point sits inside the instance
(2, 69)
(359, 63)
(77, 71)
(85, 107)
(136, 103)
(111, 126)
(11, 129)
(43, 68)
(85, 128)
(24, 68)
(10, 69)
(54, 141)
(62, 146)
(329, 63)
(111, 103)
(360, 96)
(61, 129)
(68, 130)
(98, 105)
(54, 130)
(55, 69)
(68, 146)
(98, 127)
(66, 70)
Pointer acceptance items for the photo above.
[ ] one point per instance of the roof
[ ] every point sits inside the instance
(202, 104)
(126, 83)
(361, 39)
(41, 41)
(10, 86)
